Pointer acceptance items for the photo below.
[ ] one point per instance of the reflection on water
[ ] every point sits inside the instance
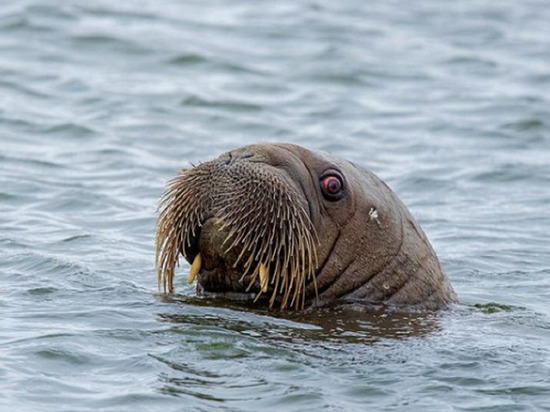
(354, 323)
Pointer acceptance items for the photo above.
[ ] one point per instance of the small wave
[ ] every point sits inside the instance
(196, 101)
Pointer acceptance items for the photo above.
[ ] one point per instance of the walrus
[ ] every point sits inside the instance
(298, 229)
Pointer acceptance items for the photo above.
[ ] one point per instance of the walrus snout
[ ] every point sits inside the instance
(242, 223)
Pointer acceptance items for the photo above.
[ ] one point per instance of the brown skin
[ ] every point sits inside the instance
(358, 244)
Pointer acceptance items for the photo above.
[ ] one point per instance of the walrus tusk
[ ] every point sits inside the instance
(195, 268)
(264, 277)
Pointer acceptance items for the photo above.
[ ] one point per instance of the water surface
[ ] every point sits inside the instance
(102, 102)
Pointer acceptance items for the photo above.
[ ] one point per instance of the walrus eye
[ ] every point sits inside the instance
(332, 187)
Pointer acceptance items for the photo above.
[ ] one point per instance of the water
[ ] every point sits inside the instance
(102, 102)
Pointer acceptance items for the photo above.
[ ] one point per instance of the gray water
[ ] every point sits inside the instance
(101, 102)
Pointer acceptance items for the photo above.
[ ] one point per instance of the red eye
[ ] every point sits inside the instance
(332, 187)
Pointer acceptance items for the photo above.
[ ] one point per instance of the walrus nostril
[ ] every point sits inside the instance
(229, 159)
(239, 154)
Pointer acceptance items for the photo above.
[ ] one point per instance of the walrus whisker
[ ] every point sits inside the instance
(253, 279)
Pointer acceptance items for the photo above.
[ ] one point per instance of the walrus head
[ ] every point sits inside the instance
(296, 226)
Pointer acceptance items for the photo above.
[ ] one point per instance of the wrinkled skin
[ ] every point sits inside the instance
(364, 244)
